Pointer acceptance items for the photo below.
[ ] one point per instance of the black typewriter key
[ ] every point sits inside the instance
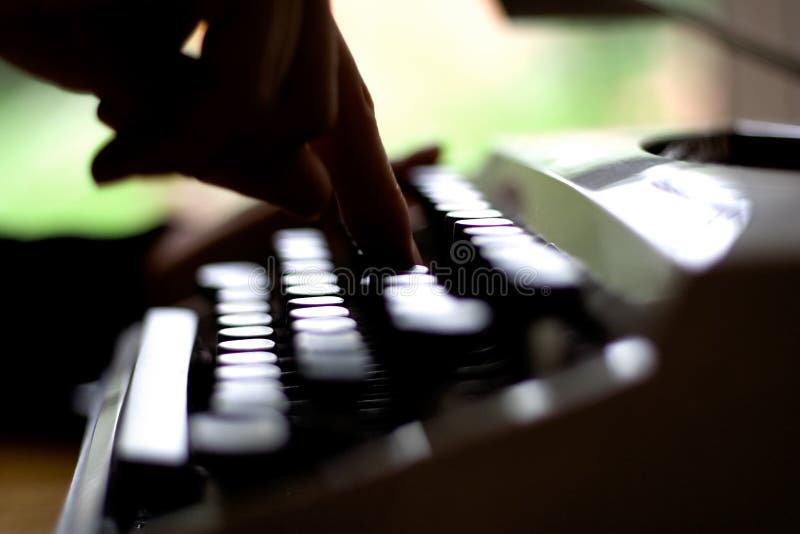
(238, 358)
(243, 306)
(249, 371)
(314, 312)
(326, 325)
(246, 345)
(245, 319)
(244, 332)
(263, 433)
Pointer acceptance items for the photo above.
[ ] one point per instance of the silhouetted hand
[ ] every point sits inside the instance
(179, 252)
(274, 108)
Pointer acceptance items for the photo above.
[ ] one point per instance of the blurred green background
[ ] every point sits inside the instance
(454, 71)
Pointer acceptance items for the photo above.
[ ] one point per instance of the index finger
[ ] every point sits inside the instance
(371, 203)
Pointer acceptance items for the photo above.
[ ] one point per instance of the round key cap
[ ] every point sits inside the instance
(338, 342)
(411, 279)
(246, 294)
(238, 358)
(460, 215)
(264, 433)
(302, 266)
(457, 317)
(304, 302)
(459, 227)
(242, 306)
(319, 311)
(308, 278)
(299, 233)
(236, 400)
(464, 205)
(473, 231)
(313, 290)
(244, 332)
(502, 241)
(245, 319)
(535, 265)
(231, 274)
(249, 371)
(303, 251)
(333, 367)
(246, 345)
(418, 293)
(327, 325)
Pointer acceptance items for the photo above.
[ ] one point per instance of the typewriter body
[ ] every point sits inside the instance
(642, 376)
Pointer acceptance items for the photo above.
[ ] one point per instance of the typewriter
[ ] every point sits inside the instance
(602, 337)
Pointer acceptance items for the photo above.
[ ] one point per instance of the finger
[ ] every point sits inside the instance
(298, 182)
(370, 200)
(311, 84)
(250, 45)
(428, 155)
(197, 141)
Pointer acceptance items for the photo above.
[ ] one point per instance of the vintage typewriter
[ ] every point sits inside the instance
(602, 337)
(608, 344)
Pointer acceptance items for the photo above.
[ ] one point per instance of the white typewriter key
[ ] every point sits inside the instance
(238, 358)
(243, 306)
(298, 233)
(246, 345)
(324, 325)
(245, 319)
(231, 274)
(304, 302)
(243, 294)
(319, 311)
(341, 342)
(250, 371)
(313, 290)
(464, 205)
(244, 332)
(309, 277)
(410, 279)
(233, 401)
(256, 434)
(304, 266)
(493, 231)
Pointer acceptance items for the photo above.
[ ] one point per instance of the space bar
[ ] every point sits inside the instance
(154, 427)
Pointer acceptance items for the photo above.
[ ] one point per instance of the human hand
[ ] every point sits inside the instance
(182, 249)
(274, 107)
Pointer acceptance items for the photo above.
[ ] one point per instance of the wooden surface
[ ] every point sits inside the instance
(34, 478)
